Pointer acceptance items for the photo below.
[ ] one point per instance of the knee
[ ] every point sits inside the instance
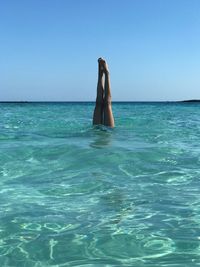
(99, 103)
(107, 103)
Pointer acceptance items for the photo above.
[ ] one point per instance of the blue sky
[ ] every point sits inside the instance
(49, 49)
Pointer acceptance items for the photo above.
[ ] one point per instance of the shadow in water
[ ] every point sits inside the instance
(116, 203)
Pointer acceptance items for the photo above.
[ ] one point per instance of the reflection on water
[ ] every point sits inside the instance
(102, 137)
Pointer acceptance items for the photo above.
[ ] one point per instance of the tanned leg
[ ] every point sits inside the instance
(98, 111)
(108, 115)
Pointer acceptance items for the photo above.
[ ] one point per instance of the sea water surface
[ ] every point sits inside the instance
(74, 195)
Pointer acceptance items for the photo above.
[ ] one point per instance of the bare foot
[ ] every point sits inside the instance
(101, 68)
(104, 65)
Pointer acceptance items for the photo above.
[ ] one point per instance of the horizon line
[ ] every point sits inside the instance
(82, 101)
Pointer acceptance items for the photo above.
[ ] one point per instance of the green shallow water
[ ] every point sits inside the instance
(72, 195)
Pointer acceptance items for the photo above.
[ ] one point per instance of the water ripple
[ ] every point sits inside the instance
(74, 195)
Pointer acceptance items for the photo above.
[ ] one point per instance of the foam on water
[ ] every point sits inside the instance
(74, 195)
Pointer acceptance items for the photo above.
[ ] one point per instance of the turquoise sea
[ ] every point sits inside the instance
(74, 195)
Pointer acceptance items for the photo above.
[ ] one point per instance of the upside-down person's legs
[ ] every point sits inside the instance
(98, 111)
(108, 115)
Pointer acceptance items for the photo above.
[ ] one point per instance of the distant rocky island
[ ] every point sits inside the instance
(192, 101)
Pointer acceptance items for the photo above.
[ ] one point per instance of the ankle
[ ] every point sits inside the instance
(106, 72)
(100, 74)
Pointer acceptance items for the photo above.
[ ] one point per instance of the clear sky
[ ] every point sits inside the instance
(49, 49)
